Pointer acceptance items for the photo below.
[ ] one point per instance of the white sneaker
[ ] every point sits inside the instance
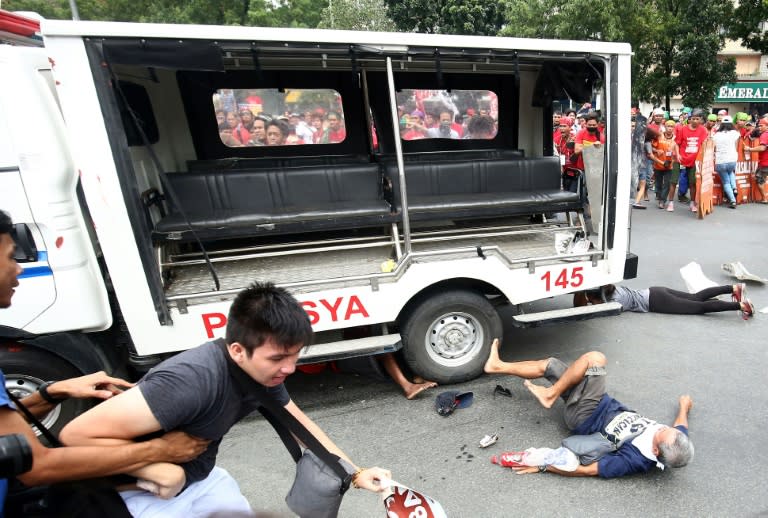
(670, 206)
(694, 208)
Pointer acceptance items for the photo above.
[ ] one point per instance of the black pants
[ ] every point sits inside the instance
(666, 300)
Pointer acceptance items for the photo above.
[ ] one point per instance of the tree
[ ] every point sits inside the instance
(357, 15)
(479, 17)
(748, 24)
(675, 42)
(265, 13)
(286, 13)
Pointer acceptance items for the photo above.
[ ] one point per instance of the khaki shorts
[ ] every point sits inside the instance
(581, 400)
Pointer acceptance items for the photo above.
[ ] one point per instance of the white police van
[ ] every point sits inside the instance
(402, 186)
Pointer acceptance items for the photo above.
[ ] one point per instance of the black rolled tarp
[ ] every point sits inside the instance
(559, 80)
(170, 54)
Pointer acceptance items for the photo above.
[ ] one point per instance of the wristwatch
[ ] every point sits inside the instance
(43, 391)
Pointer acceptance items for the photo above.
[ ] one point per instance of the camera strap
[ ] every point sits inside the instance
(52, 439)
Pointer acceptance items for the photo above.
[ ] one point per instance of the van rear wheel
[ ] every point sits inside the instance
(26, 368)
(447, 336)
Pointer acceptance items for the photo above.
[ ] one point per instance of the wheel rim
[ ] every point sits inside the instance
(22, 386)
(454, 339)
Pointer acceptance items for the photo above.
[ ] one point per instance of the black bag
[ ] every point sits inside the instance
(322, 478)
(95, 498)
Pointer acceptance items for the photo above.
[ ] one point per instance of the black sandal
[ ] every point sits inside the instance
(501, 390)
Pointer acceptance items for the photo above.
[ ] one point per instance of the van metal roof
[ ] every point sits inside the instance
(388, 41)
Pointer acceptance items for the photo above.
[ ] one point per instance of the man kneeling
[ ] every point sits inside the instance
(639, 443)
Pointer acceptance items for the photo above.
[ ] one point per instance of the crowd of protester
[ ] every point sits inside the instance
(670, 150)
(243, 121)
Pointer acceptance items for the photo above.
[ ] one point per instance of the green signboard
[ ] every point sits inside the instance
(743, 92)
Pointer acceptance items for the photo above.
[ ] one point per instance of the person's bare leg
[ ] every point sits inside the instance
(525, 369)
(640, 192)
(570, 378)
(411, 390)
(672, 191)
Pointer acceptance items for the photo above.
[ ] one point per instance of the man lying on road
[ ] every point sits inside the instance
(640, 443)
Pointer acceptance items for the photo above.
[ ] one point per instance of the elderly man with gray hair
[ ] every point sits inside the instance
(626, 441)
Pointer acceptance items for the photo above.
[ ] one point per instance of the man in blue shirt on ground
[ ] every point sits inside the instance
(640, 443)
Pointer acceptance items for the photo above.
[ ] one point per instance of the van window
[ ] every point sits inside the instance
(272, 117)
(455, 114)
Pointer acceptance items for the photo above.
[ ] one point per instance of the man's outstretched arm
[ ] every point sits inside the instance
(96, 385)
(588, 470)
(369, 478)
(686, 403)
(51, 465)
(118, 421)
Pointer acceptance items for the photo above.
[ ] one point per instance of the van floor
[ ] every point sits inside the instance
(306, 267)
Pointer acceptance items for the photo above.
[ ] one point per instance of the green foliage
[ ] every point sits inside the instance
(480, 17)
(675, 41)
(286, 13)
(265, 13)
(748, 24)
(357, 15)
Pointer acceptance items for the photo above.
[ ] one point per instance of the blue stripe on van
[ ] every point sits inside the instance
(36, 271)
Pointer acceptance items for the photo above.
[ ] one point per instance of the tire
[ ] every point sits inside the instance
(26, 368)
(447, 336)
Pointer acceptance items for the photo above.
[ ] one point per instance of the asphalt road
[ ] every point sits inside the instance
(718, 359)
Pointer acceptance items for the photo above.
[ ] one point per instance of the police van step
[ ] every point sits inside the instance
(350, 348)
(564, 315)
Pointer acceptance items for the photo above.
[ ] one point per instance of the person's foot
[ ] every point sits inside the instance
(670, 206)
(747, 309)
(732, 205)
(417, 388)
(738, 292)
(638, 206)
(661, 204)
(493, 364)
(694, 208)
(543, 394)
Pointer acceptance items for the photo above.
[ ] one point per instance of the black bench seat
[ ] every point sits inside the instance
(241, 203)
(481, 188)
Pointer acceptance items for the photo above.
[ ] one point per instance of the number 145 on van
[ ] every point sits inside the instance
(568, 277)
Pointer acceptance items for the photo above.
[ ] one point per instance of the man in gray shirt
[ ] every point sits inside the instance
(196, 392)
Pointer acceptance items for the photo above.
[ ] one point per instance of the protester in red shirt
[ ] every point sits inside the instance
(561, 138)
(336, 131)
(588, 136)
(689, 140)
(762, 160)
(657, 121)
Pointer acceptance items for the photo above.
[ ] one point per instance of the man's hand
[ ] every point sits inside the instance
(686, 403)
(371, 478)
(177, 447)
(96, 385)
(166, 480)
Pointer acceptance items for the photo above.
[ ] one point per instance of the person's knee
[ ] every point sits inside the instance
(595, 359)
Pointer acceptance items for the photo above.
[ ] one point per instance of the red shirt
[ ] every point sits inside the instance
(561, 145)
(762, 158)
(334, 137)
(585, 136)
(689, 141)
